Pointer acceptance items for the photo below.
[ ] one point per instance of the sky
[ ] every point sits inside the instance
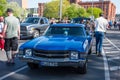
(34, 3)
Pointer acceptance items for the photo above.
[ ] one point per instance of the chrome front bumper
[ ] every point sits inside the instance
(59, 62)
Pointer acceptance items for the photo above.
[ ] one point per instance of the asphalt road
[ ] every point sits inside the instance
(99, 68)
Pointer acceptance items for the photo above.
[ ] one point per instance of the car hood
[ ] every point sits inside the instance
(25, 24)
(55, 43)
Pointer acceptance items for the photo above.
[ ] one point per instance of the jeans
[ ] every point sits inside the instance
(99, 41)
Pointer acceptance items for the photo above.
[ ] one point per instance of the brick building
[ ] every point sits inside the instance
(40, 9)
(107, 6)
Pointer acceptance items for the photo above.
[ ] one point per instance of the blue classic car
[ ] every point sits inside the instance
(60, 45)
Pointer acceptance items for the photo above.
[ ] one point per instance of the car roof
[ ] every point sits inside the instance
(67, 25)
(81, 18)
(35, 17)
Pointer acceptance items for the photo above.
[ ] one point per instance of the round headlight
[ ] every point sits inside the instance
(74, 55)
(30, 28)
(28, 52)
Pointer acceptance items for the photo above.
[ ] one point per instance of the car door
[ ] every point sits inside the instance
(44, 24)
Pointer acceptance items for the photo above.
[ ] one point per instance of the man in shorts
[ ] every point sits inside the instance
(11, 33)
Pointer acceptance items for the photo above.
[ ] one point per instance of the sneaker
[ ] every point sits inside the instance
(96, 52)
(99, 55)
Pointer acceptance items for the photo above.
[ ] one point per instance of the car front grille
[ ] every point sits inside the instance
(23, 28)
(51, 54)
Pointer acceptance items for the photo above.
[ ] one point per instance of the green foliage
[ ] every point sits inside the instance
(81, 12)
(16, 8)
(69, 10)
(18, 11)
(2, 7)
(75, 10)
(94, 11)
(0, 13)
(52, 8)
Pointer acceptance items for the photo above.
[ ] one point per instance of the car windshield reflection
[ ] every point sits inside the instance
(67, 31)
(31, 20)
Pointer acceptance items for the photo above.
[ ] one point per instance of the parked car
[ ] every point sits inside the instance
(33, 27)
(61, 45)
(80, 20)
(88, 22)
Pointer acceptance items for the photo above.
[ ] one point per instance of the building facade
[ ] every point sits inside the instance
(40, 9)
(107, 6)
(21, 3)
(75, 1)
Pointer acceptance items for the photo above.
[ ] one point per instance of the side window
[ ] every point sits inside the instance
(46, 20)
(35, 21)
(41, 21)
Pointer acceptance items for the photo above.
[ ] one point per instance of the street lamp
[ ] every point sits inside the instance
(60, 10)
(102, 4)
(92, 11)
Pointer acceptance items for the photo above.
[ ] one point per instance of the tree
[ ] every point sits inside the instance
(81, 12)
(3, 4)
(18, 11)
(75, 10)
(94, 11)
(71, 11)
(52, 8)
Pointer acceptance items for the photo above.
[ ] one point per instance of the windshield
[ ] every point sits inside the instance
(80, 20)
(32, 20)
(67, 31)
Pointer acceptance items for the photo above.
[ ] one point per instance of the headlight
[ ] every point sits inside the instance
(74, 55)
(30, 28)
(28, 52)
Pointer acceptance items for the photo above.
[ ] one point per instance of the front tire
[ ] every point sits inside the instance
(32, 65)
(82, 69)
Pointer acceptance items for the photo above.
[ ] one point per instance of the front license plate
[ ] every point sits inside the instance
(44, 63)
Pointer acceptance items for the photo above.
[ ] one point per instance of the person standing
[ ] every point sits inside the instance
(11, 32)
(1, 36)
(115, 24)
(52, 21)
(101, 25)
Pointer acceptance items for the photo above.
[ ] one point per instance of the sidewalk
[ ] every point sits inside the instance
(3, 56)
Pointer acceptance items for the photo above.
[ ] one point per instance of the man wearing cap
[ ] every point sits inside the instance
(11, 34)
(100, 29)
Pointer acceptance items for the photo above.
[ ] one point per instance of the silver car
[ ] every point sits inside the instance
(33, 27)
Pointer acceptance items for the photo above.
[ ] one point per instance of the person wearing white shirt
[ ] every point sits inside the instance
(101, 25)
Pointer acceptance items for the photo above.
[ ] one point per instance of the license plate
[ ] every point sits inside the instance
(44, 63)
